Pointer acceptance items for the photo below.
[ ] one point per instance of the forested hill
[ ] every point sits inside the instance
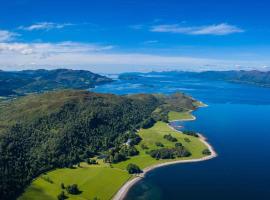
(247, 77)
(57, 129)
(32, 81)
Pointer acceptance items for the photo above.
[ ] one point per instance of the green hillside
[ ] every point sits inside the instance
(36, 81)
(104, 180)
(58, 129)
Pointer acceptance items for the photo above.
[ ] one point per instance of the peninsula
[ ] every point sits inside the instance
(82, 145)
(186, 116)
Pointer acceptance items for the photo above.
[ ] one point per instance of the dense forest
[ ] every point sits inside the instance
(58, 129)
(33, 81)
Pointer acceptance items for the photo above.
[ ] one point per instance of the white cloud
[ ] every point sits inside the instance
(47, 49)
(6, 36)
(216, 29)
(44, 26)
(14, 56)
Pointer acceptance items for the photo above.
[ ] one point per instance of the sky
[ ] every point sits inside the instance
(112, 36)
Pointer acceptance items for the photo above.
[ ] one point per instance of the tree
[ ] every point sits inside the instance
(206, 152)
(133, 169)
(62, 186)
(159, 144)
(73, 189)
(170, 153)
(62, 196)
(132, 151)
(178, 144)
(143, 146)
(191, 133)
(148, 123)
(170, 138)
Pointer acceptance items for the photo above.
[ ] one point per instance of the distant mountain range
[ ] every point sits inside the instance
(246, 77)
(35, 81)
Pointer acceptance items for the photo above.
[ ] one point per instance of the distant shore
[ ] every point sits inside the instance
(121, 194)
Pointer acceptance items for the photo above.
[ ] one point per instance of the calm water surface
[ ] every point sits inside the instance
(236, 123)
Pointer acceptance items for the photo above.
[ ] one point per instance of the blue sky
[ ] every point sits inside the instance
(128, 35)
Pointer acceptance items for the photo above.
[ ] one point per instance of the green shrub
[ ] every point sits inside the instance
(73, 189)
(178, 144)
(170, 138)
(159, 144)
(206, 152)
(133, 169)
(170, 153)
(62, 196)
(191, 133)
(143, 146)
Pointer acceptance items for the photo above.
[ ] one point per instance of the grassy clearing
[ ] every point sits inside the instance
(180, 116)
(103, 181)
(94, 181)
(155, 134)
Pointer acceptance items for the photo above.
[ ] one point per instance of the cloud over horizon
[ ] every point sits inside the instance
(14, 56)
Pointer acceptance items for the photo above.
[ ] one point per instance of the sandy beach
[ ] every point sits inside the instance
(120, 195)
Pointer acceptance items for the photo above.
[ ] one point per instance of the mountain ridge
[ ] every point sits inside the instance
(36, 81)
(255, 77)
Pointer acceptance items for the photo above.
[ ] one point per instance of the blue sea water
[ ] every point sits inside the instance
(236, 123)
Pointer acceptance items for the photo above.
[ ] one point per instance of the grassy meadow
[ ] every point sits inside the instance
(180, 116)
(100, 181)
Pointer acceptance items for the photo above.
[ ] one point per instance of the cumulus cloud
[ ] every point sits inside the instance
(216, 29)
(44, 26)
(6, 36)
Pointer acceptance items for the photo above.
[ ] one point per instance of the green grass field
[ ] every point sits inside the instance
(94, 181)
(103, 181)
(180, 116)
(155, 134)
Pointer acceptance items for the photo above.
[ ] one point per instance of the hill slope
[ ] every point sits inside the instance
(58, 129)
(32, 81)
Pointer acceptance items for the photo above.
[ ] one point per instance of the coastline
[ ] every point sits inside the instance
(121, 194)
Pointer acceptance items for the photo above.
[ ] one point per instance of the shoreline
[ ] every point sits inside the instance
(122, 192)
